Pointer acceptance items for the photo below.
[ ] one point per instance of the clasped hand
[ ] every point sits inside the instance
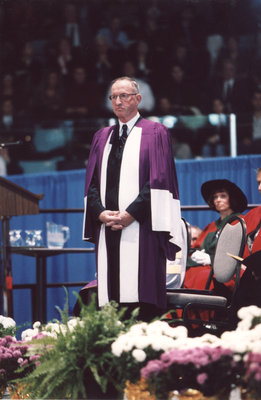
(117, 220)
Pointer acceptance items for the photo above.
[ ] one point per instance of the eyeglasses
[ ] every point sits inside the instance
(122, 96)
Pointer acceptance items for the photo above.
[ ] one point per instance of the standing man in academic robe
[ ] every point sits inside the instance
(132, 207)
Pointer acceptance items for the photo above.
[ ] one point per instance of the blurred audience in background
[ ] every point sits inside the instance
(186, 57)
(82, 94)
(250, 127)
(215, 134)
(49, 101)
(230, 87)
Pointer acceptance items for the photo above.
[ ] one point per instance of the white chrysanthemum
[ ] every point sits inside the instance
(7, 322)
(245, 324)
(237, 341)
(36, 325)
(116, 349)
(176, 332)
(28, 334)
(54, 327)
(139, 355)
(128, 345)
(156, 327)
(256, 331)
(249, 312)
(72, 323)
(208, 338)
(51, 334)
(138, 329)
(255, 347)
(141, 342)
(164, 343)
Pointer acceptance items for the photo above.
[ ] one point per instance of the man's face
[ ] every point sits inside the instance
(258, 178)
(125, 109)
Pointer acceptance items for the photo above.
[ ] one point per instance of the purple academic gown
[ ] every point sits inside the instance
(143, 277)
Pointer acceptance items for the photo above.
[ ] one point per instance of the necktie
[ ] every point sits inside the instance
(123, 135)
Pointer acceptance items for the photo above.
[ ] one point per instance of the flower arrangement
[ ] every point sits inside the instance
(100, 355)
(164, 359)
(7, 326)
(252, 378)
(79, 362)
(141, 343)
(192, 368)
(12, 356)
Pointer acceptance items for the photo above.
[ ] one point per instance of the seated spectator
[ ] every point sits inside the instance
(189, 26)
(215, 136)
(181, 55)
(9, 90)
(28, 74)
(156, 35)
(63, 58)
(103, 67)
(233, 90)
(227, 199)
(214, 44)
(116, 37)
(180, 91)
(82, 95)
(49, 100)
(250, 283)
(28, 68)
(147, 103)
(70, 26)
(75, 24)
(195, 231)
(249, 127)
(142, 57)
(232, 51)
(163, 106)
(181, 149)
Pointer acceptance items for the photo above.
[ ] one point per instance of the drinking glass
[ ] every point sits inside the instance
(15, 238)
(38, 240)
(29, 238)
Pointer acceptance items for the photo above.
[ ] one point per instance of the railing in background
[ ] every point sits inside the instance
(80, 210)
(65, 144)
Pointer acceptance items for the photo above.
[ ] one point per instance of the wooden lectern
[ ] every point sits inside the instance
(14, 200)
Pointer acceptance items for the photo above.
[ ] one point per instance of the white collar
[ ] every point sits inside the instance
(130, 124)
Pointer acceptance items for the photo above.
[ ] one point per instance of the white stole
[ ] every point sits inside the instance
(129, 244)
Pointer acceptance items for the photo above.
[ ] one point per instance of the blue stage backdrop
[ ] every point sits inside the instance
(66, 190)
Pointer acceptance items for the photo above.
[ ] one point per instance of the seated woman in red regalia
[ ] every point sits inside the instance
(227, 199)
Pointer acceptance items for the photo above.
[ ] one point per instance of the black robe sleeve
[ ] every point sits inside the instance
(94, 199)
(140, 207)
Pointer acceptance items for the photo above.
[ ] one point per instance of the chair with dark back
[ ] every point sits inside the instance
(217, 305)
